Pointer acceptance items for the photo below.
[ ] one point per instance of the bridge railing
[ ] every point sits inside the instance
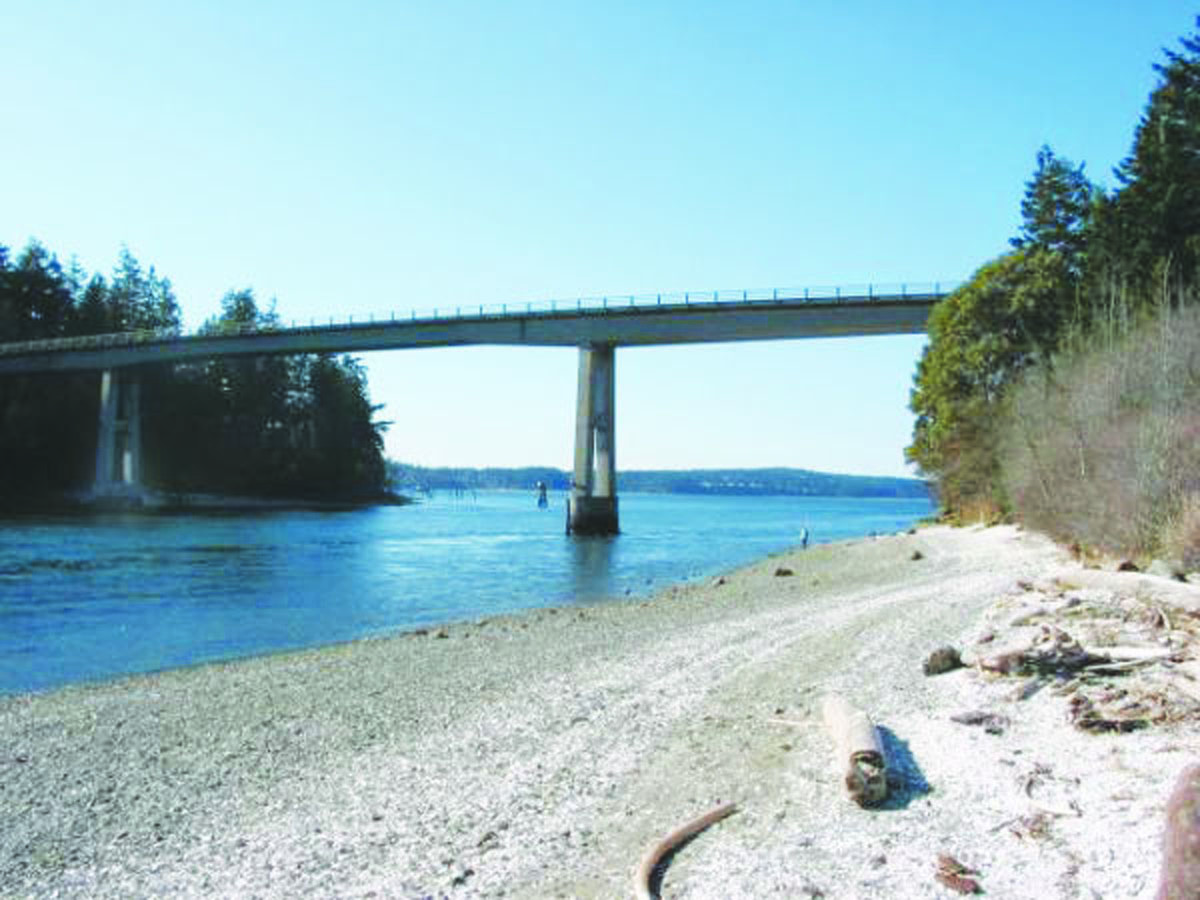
(598, 303)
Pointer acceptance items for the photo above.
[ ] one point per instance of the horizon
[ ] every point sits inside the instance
(402, 159)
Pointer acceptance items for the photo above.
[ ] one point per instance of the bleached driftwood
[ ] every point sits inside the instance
(654, 855)
(858, 750)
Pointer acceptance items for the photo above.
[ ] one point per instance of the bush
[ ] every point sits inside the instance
(1103, 447)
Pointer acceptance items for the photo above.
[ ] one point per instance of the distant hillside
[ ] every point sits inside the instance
(750, 482)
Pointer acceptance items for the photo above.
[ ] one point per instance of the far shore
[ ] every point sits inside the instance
(538, 754)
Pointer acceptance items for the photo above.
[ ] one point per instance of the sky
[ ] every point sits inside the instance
(368, 158)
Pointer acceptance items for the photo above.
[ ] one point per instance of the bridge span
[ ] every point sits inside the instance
(596, 326)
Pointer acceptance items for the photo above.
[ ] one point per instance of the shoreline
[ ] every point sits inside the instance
(537, 754)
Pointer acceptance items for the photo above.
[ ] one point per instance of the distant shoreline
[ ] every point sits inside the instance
(751, 482)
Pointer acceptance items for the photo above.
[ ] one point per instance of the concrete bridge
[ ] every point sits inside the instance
(595, 325)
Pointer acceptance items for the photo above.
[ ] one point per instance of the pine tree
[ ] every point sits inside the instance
(1158, 207)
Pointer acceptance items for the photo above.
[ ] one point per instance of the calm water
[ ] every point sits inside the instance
(84, 599)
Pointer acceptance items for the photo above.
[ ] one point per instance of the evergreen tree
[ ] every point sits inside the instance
(1057, 208)
(1157, 214)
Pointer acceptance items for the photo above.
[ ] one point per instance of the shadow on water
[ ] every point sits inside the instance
(906, 781)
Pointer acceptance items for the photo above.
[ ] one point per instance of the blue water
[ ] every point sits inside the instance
(90, 598)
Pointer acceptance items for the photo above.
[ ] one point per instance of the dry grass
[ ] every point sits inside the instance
(1104, 449)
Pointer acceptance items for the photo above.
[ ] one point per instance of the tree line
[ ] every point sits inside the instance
(297, 426)
(1057, 382)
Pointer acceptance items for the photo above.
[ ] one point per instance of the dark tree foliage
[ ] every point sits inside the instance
(981, 337)
(262, 426)
(1057, 208)
(1155, 221)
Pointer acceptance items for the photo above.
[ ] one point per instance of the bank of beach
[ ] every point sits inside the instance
(538, 755)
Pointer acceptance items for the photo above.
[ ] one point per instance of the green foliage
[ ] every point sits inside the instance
(1155, 219)
(299, 426)
(1057, 208)
(1006, 318)
(276, 426)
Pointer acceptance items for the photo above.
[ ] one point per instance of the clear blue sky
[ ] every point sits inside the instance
(361, 158)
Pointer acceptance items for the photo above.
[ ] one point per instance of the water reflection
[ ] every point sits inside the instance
(593, 567)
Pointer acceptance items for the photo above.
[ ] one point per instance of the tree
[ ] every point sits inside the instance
(1157, 210)
(141, 300)
(1007, 317)
(1057, 209)
(35, 300)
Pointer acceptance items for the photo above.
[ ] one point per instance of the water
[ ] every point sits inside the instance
(89, 598)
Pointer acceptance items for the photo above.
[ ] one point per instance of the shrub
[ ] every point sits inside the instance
(1103, 447)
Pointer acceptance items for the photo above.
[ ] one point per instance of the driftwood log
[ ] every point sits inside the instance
(858, 751)
(1180, 877)
(659, 849)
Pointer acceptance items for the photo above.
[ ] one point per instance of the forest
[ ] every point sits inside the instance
(297, 427)
(1061, 384)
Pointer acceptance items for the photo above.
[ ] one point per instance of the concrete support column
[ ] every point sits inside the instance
(106, 446)
(131, 459)
(592, 508)
(119, 444)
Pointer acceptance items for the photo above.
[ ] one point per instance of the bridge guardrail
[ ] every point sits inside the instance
(761, 296)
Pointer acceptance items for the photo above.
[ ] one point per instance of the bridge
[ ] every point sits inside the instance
(594, 325)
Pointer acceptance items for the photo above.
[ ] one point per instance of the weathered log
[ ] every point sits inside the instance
(858, 751)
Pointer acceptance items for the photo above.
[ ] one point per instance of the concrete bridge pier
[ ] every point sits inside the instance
(592, 506)
(119, 448)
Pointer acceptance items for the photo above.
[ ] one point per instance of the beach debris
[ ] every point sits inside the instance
(669, 844)
(1053, 652)
(917, 555)
(858, 750)
(441, 633)
(1127, 565)
(784, 572)
(943, 659)
(993, 723)
(1180, 875)
(955, 875)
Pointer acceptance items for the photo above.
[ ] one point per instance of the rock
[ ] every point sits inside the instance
(943, 659)
(916, 555)
(1164, 569)
(783, 572)
(441, 633)
(1127, 565)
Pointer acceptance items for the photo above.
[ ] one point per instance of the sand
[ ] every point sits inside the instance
(539, 755)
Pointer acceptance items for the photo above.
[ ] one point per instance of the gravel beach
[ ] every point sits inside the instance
(537, 756)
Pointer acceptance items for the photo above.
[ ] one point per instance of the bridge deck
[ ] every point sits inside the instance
(623, 322)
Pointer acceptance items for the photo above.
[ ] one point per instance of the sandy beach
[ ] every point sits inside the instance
(537, 756)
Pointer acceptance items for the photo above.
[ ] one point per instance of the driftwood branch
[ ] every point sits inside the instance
(654, 855)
